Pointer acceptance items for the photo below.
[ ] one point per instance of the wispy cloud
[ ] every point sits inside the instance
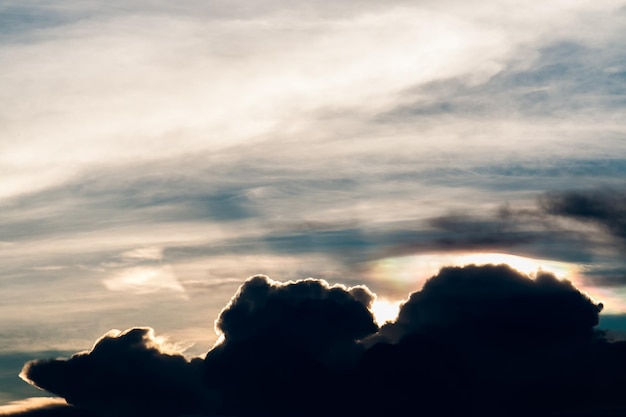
(143, 280)
(114, 79)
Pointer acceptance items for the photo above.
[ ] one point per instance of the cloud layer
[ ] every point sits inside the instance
(481, 340)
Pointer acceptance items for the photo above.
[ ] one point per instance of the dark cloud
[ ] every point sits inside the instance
(274, 335)
(558, 169)
(526, 232)
(10, 365)
(477, 340)
(494, 340)
(125, 374)
(495, 300)
(607, 275)
(604, 207)
(542, 230)
(460, 231)
(309, 310)
(287, 341)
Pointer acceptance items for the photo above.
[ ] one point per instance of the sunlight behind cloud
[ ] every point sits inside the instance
(385, 310)
(410, 272)
(521, 263)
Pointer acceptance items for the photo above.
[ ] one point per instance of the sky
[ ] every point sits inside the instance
(153, 156)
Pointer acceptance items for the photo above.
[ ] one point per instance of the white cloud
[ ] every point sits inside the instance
(144, 280)
(124, 88)
(148, 253)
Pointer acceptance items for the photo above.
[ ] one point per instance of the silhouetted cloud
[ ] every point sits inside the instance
(497, 301)
(125, 373)
(315, 313)
(484, 336)
(287, 341)
(475, 340)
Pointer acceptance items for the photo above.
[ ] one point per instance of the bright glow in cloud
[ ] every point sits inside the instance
(410, 272)
(385, 310)
(521, 263)
(144, 280)
(28, 404)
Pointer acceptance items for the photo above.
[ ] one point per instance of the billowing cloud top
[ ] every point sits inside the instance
(479, 340)
(499, 301)
(124, 374)
(309, 310)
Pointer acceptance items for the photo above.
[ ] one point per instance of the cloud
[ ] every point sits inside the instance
(604, 207)
(309, 310)
(286, 340)
(150, 253)
(321, 321)
(478, 337)
(43, 407)
(586, 228)
(311, 140)
(478, 340)
(610, 274)
(271, 331)
(124, 374)
(591, 79)
(144, 280)
(107, 73)
(496, 300)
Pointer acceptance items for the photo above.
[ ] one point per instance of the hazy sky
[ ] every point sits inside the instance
(154, 155)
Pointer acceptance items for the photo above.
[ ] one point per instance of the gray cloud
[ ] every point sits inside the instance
(19, 19)
(604, 207)
(566, 78)
(608, 274)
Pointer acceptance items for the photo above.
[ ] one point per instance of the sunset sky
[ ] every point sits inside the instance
(155, 154)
